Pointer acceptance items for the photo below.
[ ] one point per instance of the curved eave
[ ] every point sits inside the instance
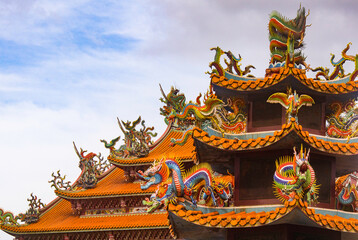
(59, 219)
(112, 185)
(323, 144)
(333, 87)
(294, 212)
(161, 149)
(83, 195)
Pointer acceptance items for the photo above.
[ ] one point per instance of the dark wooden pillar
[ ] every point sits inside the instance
(333, 183)
(323, 119)
(237, 179)
(249, 118)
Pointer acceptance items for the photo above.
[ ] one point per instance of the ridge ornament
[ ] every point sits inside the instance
(292, 102)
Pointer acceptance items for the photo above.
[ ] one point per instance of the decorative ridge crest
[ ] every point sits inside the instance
(231, 62)
(33, 213)
(137, 143)
(8, 218)
(338, 71)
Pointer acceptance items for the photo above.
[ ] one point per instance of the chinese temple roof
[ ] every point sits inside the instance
(238, 83)
(265, 139)
(112, 185)
(60, 218)
(237, 218)
(163, 148)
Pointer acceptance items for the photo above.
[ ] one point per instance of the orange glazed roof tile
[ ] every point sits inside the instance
(164, 148)
(59, 218)
(112, 185)
(332, 87)
(260, 142)
(252, 219)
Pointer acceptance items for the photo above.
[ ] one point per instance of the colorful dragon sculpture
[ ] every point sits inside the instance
(343, 120)
(338, 71)
(295, 176)
(346, 191)
(229, 117)
(8, 218)
(291, 101)
(286, 37)
(174, 104)
(198, 185)
(31, 215)
(137, 143)
(231, 62)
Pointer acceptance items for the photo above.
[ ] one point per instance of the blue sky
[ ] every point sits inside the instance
(69, 68)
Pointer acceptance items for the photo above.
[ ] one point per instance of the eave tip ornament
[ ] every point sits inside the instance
(295, 178)
(292, 102)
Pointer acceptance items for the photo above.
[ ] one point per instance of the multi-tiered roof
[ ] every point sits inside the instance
(277, 153)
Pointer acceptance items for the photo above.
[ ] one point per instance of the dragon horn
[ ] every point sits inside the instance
(120, 125)
(162, 91)
(308, 153)
(76, 150)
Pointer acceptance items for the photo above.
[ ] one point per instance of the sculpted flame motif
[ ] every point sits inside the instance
(137, 143)
(286, 36)
(33, 213)
(346, 191)
(198, 185)
(291, 101)
(343, 121)
(295, 177)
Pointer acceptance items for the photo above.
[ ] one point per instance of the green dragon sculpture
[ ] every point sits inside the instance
(8, 218)
(233, 63)
(286, 37)
(295, 177)
(229, 117)
(342, 122)
(338, 71)
(174, 103)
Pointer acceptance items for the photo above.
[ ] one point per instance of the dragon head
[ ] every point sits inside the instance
(154, 175)
(350, 185)
(174, 102)
(223, 188)
(301, 159)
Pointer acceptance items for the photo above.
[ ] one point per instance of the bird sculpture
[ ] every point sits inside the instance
(291, 101)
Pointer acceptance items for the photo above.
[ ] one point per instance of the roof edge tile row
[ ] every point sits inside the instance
(261, 142)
